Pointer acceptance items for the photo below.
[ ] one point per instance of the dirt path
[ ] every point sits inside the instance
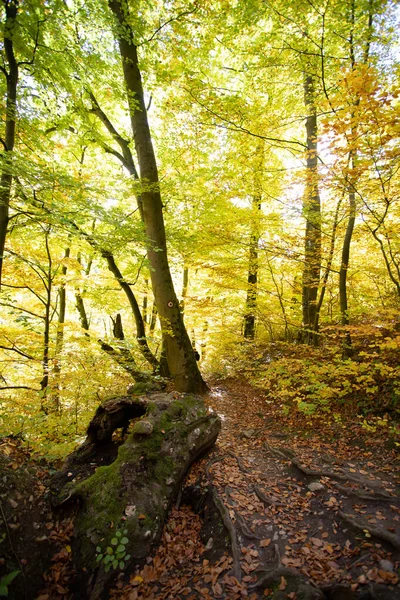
(310, 513)
(280, 508)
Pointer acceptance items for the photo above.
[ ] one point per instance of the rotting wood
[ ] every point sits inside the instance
(135, 490)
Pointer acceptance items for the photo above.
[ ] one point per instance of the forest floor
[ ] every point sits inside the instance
(310, 510)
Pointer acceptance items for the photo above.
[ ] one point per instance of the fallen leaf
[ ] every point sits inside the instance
(283, 584)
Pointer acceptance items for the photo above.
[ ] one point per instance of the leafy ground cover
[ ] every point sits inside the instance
(321, 500)
(309, 505)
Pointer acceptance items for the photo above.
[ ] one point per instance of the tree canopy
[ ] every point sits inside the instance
(212, 176)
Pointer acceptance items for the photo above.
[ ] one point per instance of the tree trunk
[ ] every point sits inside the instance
(11, 9)
(181, 361)
(328, 266)
(131, 484)
(252, 275)
(249, 325)
(312, 214)
(347, 351)
(185, 285)
(145, 302)
(153, 318)
(48, 283)
(62, 296)
(140, 330)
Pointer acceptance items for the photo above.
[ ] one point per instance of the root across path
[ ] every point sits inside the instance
(304, 512)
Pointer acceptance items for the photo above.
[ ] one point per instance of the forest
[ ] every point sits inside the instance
(199, 299)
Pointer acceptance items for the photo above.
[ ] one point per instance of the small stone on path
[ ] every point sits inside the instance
(315, 486)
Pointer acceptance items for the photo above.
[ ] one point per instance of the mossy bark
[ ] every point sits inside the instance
(134, 493)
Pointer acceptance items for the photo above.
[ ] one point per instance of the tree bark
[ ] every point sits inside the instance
(140, 330)
(312, 214)
(347, 351)
(249, 328)
(48, 283)
(6, 179)
(181, 361)
(62, 296)
(185, 285)
(249, 325)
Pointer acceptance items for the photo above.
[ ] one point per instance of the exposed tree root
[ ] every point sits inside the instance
(332, 475)
(239, 461)
(264, 498)
(290, 580)
(212, 462)
(377, 495)
(285, 454)
(227, 521)
(364, 526)
(245, 529)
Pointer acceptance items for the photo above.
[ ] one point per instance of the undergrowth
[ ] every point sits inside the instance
(320, 382)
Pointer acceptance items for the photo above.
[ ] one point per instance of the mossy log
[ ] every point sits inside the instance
(126, 489)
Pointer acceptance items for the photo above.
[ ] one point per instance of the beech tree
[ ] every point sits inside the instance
(178, 348)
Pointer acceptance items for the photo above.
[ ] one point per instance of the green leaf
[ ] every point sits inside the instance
(7, 579)
(127, 557)
(98, 549)
(125, 531)
(110, 550)
(3, 590)
(122, 564)
(115, 564)
(124, 540)
(107, 559)
(118, 533)
(107, 568)
(99, 557)
(114, 541)
(121, 548)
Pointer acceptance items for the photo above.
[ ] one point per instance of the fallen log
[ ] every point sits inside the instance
(125, 489)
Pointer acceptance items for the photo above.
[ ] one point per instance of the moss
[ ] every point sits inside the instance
(164, 468)
(99, 489)
(143, 427)
(141, 458)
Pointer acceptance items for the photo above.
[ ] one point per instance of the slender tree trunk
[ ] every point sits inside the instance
(279, 293)
(181, 360)
(44, 384)
(11, 75)
(312, 214)
(249, 328)
(249, 325)
(328, 266)
(185, 285)
(140, 330)
(62, 297)
(203, 344)
(145, 302)
(347, 350)
(352, 163)
(153, 318)
(80, 306)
